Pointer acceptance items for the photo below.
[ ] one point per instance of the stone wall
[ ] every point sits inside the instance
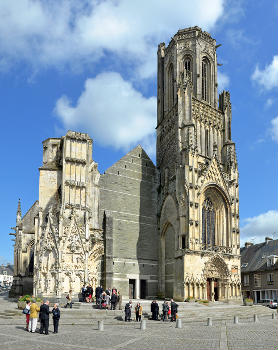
(128, 213)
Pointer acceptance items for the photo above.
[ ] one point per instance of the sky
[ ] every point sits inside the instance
(90, 66)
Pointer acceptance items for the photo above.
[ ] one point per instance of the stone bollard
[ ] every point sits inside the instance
(178, 323)
(100, 325)
(273, 316)
(209, 321)
(255, 318)
(235, 319)
(143, 325)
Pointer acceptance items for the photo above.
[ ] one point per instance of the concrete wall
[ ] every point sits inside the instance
(128, 212)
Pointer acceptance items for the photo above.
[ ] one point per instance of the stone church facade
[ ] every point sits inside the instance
(170, 230)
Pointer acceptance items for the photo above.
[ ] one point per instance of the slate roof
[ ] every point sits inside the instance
(256, 256)
(8, 268)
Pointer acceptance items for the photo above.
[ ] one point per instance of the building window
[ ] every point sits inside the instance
(270, 278)
(257, 280)
(208, 223)
(171, 86)
(246, 280)
(183, 242)
(187, 65)
(207, 143)
(205, 78)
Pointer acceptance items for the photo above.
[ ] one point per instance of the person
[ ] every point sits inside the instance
(113, 300)
(120, 300)
(90, 291)
(128, 307)
(44, 317)
(165, 309)
(26, 311)
(98, 294)
(34, 309)
(69, 299)
(156, 310)
(107, 300)
(138, 312)
(174, 310)
(103, 302)
(83, 292)
(56, 317)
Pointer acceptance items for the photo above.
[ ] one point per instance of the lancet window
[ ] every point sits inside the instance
(208, 223)
(205, 79)
(171, 86)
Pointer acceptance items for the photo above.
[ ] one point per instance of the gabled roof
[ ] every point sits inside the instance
(255, 256)
(213, 174)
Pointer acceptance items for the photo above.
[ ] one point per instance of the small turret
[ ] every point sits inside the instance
(18, 213)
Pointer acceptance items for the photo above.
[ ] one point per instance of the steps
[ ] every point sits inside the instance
(83, 313)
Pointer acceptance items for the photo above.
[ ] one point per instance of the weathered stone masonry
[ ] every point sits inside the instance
(170, 230)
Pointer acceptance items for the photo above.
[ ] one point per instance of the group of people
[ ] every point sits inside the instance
(34, 313)
(169, 311)
(105, 299)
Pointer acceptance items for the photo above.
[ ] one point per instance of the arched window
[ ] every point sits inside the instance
(171, 86)
(205, 79)
(187, 64)
(208, 223)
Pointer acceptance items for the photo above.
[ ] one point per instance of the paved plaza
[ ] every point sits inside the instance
(77, 333)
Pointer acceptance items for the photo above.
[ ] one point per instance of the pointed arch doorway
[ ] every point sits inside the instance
(216, 274)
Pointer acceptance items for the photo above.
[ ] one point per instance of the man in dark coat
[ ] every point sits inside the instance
(113, 301)
(165, 309)
(174, 310)
(98, 294)
(83, 292)
(156, 310)
(128, 307)
(44, 317)
(56, 317)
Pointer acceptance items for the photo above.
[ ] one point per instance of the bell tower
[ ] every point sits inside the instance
(198, 192)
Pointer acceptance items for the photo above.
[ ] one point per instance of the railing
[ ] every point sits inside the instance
(217, 248)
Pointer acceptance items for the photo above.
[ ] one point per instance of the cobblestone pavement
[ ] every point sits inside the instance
(119, 335)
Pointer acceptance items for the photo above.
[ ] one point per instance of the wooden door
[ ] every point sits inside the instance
(209, 289)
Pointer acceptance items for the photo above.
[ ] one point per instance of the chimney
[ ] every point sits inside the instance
(248, 244)
(268, 239)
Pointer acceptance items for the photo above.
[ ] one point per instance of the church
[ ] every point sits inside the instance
(165, 230)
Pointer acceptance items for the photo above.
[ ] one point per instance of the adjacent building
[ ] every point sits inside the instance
(259, 270)
(170, 230)
(6, 275)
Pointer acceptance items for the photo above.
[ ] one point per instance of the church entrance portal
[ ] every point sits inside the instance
(212, 289)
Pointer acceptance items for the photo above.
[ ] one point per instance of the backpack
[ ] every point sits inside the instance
(26, 311)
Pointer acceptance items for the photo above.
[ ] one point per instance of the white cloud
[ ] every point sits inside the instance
(274, 129)
(269, 102)
(223, 81)
(55, 33)
(267, 77)
(258, 227)
(113, 112)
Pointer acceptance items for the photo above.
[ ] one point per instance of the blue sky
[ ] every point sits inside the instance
(91, 66)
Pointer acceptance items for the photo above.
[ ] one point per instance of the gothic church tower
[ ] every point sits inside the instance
(198, 206)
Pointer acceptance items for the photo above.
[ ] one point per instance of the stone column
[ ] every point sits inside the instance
(219, 290)
(205, 291)
(185, 290)
(194, 291)
(137, 289)
(190, 290)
